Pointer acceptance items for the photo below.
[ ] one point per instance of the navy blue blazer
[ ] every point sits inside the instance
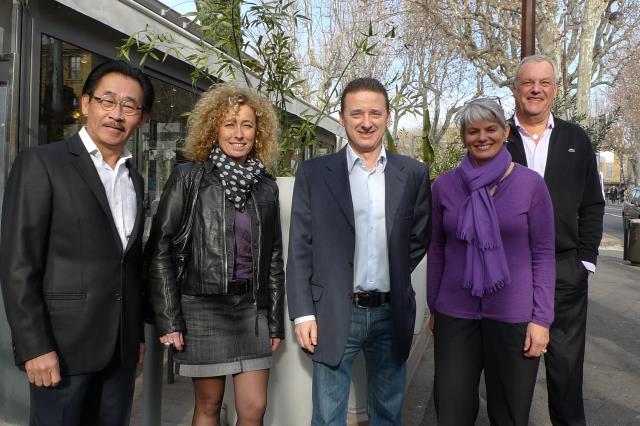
(322, 243)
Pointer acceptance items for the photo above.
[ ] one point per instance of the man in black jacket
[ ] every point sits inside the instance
(561, 152)
(71, 246)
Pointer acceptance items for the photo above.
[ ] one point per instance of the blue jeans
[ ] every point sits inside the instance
(370, 332)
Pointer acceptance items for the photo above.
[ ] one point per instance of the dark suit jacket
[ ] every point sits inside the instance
(322, 242)
(68, 285)
(571, 175)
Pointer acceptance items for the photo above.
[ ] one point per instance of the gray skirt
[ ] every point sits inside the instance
(223, 336)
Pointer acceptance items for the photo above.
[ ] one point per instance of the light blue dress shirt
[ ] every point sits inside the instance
(371, 260)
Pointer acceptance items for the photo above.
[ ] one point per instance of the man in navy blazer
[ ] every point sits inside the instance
(360, 224)
(561, 153)
(71, 263)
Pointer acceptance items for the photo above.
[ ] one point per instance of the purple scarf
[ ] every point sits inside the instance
(485, 268)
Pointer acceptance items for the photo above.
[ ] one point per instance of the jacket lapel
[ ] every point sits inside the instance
(337, 179)
(84, 165)
(394, 180)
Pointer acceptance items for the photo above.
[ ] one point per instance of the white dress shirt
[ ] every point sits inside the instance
(536, 151)
(118, 187)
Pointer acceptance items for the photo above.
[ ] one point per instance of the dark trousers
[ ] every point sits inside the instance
(102, 398)
(463, 348)
(565, 357)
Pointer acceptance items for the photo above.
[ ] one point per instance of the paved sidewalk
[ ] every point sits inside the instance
(177, 403)
(610, 242)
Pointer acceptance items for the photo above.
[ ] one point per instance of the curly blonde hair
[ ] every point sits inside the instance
(210, 110)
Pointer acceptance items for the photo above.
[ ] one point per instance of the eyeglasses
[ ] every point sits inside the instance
(108, 103)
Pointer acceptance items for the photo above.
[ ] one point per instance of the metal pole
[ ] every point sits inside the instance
(528, 28)
(152, 377)
(625, 238)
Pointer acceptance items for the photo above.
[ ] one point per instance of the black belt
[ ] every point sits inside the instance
(370, 299)
(238, 287)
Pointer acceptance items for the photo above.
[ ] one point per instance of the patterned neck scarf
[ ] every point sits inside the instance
(237, 179)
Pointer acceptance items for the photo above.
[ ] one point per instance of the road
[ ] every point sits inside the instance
(612, 363)
(612, 223)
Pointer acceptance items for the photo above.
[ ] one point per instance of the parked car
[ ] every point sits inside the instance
(631, 206)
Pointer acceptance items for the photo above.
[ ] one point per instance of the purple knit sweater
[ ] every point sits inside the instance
(525, 215)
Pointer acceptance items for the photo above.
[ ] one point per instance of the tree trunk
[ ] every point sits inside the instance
(635, 168)
(426, 148)
(593, 9)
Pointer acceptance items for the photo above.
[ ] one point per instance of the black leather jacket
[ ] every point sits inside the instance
(210, 265)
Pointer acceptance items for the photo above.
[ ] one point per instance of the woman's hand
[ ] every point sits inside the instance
(174, 339)
(275, 343)
(431, 322)
(535, 344)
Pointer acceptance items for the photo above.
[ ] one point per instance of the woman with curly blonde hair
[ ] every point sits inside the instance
(223, 311)
(209, 112)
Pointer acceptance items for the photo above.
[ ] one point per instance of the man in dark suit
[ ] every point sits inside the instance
(561, 152)
(360, 223)
(71, 245)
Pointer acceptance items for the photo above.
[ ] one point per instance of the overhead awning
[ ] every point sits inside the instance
(130, 16)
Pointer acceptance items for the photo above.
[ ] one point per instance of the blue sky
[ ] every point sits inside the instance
(181, 6)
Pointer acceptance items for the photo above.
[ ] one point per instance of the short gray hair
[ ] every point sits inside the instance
(481, 109)
(536, 58)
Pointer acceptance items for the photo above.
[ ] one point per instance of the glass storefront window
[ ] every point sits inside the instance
(63, 69)
(156, 146)
(162, 139)
(74, 67)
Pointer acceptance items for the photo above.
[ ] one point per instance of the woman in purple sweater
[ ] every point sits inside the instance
(491, 276)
